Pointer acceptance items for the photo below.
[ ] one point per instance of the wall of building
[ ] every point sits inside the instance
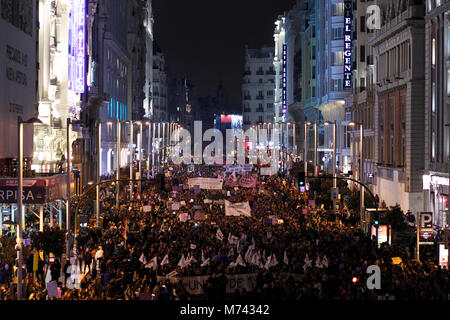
(258, 88)
(17, 77)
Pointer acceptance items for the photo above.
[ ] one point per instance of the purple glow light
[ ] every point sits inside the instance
(77, 42)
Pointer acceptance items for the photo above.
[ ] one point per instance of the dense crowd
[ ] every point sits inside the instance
(308, 253)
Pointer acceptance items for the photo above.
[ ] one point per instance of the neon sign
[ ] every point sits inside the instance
(284, 78)
(348, 20)
(77, 47)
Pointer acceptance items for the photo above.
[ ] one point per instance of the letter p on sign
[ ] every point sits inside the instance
(426, 220)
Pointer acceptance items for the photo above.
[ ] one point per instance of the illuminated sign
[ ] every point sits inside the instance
(77, 47)
(348, 20)
(443, 256)
(284, 78)
(384, 233)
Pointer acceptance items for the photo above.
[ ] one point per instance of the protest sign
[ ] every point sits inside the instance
(237, 209)
(206, 183)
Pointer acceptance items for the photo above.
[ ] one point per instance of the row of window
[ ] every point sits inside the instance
(247, 107)
(117, 110)
(395, 61)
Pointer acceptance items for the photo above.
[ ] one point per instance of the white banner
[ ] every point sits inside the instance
(206, 183)
(237, 209)
(239, 168)
(195, 284)
(147, 208)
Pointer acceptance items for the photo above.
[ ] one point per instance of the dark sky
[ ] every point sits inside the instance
(205, 39)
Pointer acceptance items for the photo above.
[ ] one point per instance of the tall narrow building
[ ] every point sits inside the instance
(258, 87)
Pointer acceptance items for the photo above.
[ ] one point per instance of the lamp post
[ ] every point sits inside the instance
(19, 240)
(99, 168)
(148, 146)
(334, 160)
(118, 165)
(69, 152)
(361, 169)
(316, 171)
(140, 157)
(305, 157)
(131, 151)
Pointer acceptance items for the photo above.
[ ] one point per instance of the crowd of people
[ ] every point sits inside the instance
(301, 252)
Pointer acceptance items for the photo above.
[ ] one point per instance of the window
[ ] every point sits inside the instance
(270, 93)
(362, 55)
(337, 58)
(433, 52)
(338, 33)
(363, 23)
(336, 85)
(338, 9)
(362, 84)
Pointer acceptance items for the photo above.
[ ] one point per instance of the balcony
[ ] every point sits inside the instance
(272, 72)
(247, 110)
(247, 123)
(247, 73)
(260, 73)
(247, 98)
(259, 110)
(259, 97)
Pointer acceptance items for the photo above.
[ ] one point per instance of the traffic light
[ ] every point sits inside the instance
(376, 220)
(301, 179)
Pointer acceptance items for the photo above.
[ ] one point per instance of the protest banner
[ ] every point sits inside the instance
(239, 168)
(248, 182)
(176, 206)
(52, 289)
(195, 285)
(232, 181)
(147, 208)
(237, 209)
(206, 183)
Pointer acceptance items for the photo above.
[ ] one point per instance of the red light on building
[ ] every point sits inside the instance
(225, 118)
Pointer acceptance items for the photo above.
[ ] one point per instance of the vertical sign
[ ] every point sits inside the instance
(284, 78)
(77, 48)
(348, 21)
(426, 227)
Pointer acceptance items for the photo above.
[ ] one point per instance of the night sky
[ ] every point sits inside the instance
(205, 40)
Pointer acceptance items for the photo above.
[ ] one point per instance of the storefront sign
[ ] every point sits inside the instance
(348, 21)
(77, 46)
(443, 256)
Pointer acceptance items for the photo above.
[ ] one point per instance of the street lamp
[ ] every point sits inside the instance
(19, 239)
(118, 166)
(327, 123)
(361, 169)
(305, 160)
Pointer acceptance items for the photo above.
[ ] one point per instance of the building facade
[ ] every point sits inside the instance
(18, 80)
(360, 105)
(148, 87)
(398, 49)
(437, 92)
(159, 86)
(315, 80)
(117, 76)
(61, 81)
(258, 87)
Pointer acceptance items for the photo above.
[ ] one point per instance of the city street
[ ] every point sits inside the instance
(210, 151)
